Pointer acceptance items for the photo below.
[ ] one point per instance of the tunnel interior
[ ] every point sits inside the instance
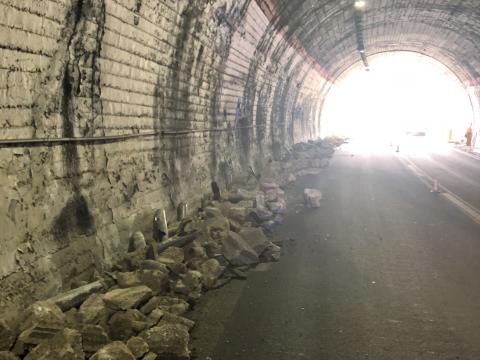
(111, 109)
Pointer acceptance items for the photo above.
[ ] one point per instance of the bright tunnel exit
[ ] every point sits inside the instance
(405, 96)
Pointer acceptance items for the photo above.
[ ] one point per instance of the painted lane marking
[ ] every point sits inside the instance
(476, 157)
(471, 211)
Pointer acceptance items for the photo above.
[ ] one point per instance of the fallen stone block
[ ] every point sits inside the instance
(155, 317)
(238, 252)
(43, 313)
(172, 255)
(94, 311)
(309, 172)
(155, 280)
(66, 344)
(217, 228)
(271, 195)
(150, 356)
(213, 212)
(266, 186)
(272, 253)
(128, 279)
(211, 270)
(256, 239)
(94, 337)
(312, 198)
(7, 336)
(137, 346)
(190, 285)
(75, 297)
(114, 351)
(166, 304)
(238, 213)
(124, 325)
(133, 259)
(169, 341)
(43, 320)
(137, 241)
(176, 319)
(154, 265)
(278, 207)
(7, 355)
(124, 299)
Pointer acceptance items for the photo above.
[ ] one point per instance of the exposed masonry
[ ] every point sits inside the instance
(92, 68)
(251, 75)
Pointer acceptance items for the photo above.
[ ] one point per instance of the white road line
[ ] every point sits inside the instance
(476, 157)
(468, 209)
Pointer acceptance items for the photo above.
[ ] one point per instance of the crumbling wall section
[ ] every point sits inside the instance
(212, 83)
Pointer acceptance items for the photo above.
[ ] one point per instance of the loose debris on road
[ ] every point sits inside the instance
(137, 310)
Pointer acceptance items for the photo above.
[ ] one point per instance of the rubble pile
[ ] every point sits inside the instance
(138, 310)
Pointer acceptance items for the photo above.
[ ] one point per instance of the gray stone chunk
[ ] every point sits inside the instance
(94, 311)
(124, 299)
(116, 350)
(43, 313)
(7, 355)
(211, 270)
(75, 297)
(7, 336)
(175, 319)
(312, 198)
(124, 325)
(150, 356)
(169, 340)
(65, 345)
(237, 251)
(137, 346)
(190, 284)
(155, 280)
(43, 320)
(256, 239)
(128, 279)
(94, 338)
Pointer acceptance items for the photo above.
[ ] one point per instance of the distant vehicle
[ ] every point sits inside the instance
(416, 133)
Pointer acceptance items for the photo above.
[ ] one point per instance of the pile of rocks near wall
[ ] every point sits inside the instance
(137, 310)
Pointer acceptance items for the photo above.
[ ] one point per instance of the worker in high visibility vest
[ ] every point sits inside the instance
(469, 135)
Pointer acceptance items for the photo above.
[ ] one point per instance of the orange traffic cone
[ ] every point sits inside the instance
(436, 187)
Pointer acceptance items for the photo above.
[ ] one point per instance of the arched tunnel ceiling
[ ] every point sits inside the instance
(447, 30)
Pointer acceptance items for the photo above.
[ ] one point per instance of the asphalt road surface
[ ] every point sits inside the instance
(383, 270)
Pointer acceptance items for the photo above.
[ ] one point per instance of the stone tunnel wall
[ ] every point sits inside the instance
(94, 68)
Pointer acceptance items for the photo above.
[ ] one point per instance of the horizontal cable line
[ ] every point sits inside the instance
(114, 138)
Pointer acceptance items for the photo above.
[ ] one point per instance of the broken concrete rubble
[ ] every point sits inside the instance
(272, 253)
(66, 344)
(146, 296)
(238, 252)
(116, 350)
(256, 239)
(94, 337)
(7, 336)
(312, 198)
(43, 320)
(124, 299)
(211, 271)
(7, 355)
(94, 311)
(76, 296)
(137, 346)
(124, 325)
(169, 340)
